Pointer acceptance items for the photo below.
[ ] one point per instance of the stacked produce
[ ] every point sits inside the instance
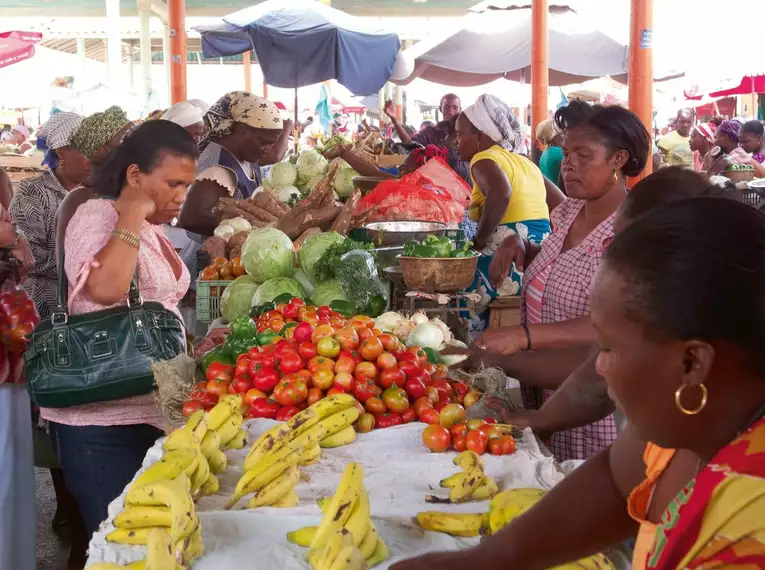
(159, 555)
(437, 247)
(470, 484)
(346, 538)
(451, 431)
(271, 466)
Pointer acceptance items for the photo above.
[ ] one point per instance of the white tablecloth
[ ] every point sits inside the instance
(399, 472)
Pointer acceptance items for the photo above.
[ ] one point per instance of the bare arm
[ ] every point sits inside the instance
(759, 169)
(361, 166)
(494, 184)
(391, 112)
(573, 333)
(6, 189)
(197, 212)
(280, 148)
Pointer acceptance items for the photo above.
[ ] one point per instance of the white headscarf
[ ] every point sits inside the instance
(58, 130)
(199, 104)
(496, 120)
(184, 114)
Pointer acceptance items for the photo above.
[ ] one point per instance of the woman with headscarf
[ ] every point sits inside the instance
(726, 135)
(20, 138)
(509, 194)
(702, 141)
(552, 156)
(188, 116)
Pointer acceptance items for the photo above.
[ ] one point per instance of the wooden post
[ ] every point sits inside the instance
(247, 62)
(641, 69)
(540, 71)
(176, 15)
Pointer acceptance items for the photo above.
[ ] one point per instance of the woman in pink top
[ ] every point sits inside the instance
(143, 185)
(602, 147)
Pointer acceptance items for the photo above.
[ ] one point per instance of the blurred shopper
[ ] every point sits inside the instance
(676, 145)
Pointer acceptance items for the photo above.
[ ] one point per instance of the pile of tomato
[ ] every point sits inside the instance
(479, 436)
(327, 354)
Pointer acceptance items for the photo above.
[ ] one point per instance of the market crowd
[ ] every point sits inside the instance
(643, 310)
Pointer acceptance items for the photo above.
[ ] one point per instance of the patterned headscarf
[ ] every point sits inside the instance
(420, 156)
(706, 130)
(496, 120)
(57, 133)
(730, 128)
(97, 130)
(239, 107)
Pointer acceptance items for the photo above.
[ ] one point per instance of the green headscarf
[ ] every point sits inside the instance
(97, 130)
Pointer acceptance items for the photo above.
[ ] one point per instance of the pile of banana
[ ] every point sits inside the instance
(159, 555)
(470, 484)
(165, 505)
(347, 538)
(271, 468)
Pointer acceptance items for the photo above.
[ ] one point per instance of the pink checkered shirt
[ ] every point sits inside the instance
(557, 288)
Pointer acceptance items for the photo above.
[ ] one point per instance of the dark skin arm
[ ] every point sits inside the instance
(6, 189)
(583, 526)
(360, 165)
(390, 110)
(280, 148)
(196, 214)
(494, 184)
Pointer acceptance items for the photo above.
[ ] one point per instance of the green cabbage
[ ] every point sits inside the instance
(305, 282)
(311, 164)
(314, 248)
(326, 292)
(308, 186)
(344, 181)
(268, 253)
(237, 298)
(287, 193)
(282, 174)
(272, 288)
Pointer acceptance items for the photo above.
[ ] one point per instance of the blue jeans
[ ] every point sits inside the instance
(98, 463)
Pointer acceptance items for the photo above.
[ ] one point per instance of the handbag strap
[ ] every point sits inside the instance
(60, 314)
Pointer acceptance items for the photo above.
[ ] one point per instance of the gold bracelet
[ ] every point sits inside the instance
(127, 236)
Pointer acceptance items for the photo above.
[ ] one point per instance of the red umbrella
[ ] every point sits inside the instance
(17, 46)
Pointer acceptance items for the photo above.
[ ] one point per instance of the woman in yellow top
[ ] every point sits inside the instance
(509, 193)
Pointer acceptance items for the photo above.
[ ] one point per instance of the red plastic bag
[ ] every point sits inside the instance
(18, 317)
(413, 197)
(442, 175)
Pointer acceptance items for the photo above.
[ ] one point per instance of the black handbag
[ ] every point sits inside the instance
(100, 356)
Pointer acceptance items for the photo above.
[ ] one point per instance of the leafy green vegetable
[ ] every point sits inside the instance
(273, 288)
(433, 246)
(314, 248)
(329, 262)
(258, 310)
(305, 282)
(344, 180)
(433, 356)
(345, 308)
(268, 253)
(310, 164)
(327, 292)
(237, 298)
(357, 274)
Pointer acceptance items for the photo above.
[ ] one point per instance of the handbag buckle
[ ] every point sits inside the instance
(58, 319)
(134, 302)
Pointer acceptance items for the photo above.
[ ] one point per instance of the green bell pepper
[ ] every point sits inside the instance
(443, 247)
(422, 250)
(376, 307)
(464, 251)
(217, 354)
(345, 308)
(243, 328)
(433, 356)
(267, 337)
(236, 346)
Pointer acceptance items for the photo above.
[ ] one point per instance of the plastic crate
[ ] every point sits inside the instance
(208, 299)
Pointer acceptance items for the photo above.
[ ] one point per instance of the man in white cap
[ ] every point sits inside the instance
(187, 115)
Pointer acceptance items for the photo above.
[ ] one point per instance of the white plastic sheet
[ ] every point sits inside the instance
(399, 473)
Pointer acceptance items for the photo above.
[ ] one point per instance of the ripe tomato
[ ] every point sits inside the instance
(436, 438)
(365, 423)
(345, 364)
(396, 400)
(440, 372)
(386, 360)
(273, 314)
(452, 414)
(407, 356)
(471, 399)
(320, 363)
(415, 388)
(199, 395)
(352, 354)
(348, 338)
(297, 301)
(357, 324)
(328, 347)
(390, 342)
(252, 395)
(429, 368)
(190, 407)
(241, 384)
(290, 312)
(242, 366)
(314, 395)
(459, 429)
(508, 444)
(265, 379)
(477, 441)
(475, 424)
(290, 392)
(421, 404)
(333, 391)
(444, 388)
(286, 412)
(344, 382)
(323, 379)
(408, 416)
(363, 390)
(491, 431)
(433, 395)
(263, 408)
(387, 419)
(429, 416)
(371, 348)
(392, 377)
(375, 406)
(276, 324)
(442, 403)
(307, 350)
(303, 333)
(217, 388)
(209, 400)
(322, 331)
(220, 372)
(495, 446)
(365, 333)
(422, 357)
(409, 368)
(290, 363)
(267, 359)
(490, 421)
(365, 370)
(459, 443)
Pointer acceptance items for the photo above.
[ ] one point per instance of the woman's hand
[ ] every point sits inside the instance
(511, 250)
(23, 253)
(133, 202)
(503, 340)
(390, 110)
(520, 419)
(337, 152)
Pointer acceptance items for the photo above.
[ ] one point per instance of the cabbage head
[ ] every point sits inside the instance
(344, 181)
(308, 186)
(326, 292)
(272, 288)
(305, 282)
(314, 248)
(311, 164)
(282, 174)
(286, 193)
(268, 253)
(237, 298)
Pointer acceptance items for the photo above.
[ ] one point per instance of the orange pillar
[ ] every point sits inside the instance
(540, 72)
(247, 61)
(641, 68)
(265, 89)
(176, 15)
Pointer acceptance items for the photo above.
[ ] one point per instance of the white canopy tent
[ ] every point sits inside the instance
(496, 43)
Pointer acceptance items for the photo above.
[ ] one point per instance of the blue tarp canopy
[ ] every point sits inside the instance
(304, 42)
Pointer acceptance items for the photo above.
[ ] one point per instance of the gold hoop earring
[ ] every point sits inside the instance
(697, 409)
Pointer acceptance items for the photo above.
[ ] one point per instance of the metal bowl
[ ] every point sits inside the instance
(398, 233)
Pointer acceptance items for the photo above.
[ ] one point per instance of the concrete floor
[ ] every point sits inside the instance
(51, 550)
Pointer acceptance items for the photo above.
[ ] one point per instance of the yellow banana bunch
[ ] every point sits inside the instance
(237, 442)
(336, 552)
(471, 484)
(230, 428)
(596, 562)
(256, 479)
(455, 524)
(510, 504)
(343, 437)
(223, 410)
(174, 494)
(197, 424)
(170, 466)
(276, 490)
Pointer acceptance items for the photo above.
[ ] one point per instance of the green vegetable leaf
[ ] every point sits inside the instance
(433, 356)
(324, 268)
